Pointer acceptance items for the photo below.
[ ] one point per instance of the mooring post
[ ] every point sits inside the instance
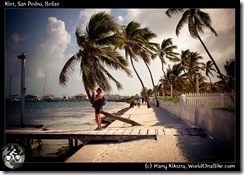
(70, 144)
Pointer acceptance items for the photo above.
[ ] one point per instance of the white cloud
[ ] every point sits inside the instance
(86, 14)
(120, 19)
(58, 39)
(49, 54)
(222, 19)
(16, 38)
(40, 74)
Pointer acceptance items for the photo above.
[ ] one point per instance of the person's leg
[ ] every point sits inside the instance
(98, 120)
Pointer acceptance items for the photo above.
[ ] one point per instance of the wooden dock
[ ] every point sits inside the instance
(107, 134)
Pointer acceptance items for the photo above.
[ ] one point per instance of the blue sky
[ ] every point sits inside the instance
(47, 37)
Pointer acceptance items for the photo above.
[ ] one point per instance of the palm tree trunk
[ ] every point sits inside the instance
(116, 117)
(152, 84)
(217, 68)
(148, 105)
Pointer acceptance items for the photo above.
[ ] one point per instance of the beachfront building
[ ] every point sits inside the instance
(32, 98)
(80, 97)
(48, 97)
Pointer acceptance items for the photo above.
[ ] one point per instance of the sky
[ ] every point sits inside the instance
(47, 38)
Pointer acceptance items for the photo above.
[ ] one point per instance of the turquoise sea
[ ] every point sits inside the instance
(57, 115)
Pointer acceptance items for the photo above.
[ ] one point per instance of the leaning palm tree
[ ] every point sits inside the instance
(208, 71)
(134, 45)
(147, 52)
(166, 50)
(95, 55)
(197, 20)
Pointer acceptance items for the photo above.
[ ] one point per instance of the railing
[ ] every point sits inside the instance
(212, 100)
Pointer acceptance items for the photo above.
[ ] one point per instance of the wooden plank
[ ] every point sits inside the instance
(172, 131)
(143, 132)
(110, 132)
(127, 132)
(151, 132)
(161, 131)
(135, 131)
(119, 132)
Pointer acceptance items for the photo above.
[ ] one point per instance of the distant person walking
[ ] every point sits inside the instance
(142, 100)
(97, 98)
(132, 99)
(138, 102)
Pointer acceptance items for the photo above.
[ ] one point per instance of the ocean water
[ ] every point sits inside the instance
(57, 115)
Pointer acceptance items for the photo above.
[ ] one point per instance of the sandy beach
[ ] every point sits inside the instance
(166, 148)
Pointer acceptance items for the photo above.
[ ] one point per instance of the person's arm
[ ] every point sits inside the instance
(97, 97)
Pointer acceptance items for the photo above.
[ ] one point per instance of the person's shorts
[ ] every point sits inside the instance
(98, 110)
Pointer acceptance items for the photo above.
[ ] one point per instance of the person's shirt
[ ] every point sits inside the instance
(98, 101)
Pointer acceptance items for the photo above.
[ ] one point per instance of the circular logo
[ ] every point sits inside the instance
(13, 155)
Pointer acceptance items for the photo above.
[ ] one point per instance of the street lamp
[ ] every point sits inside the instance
(22, 88)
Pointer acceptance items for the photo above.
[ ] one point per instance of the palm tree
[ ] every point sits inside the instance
(229, 67)
(176, 77)
(135, 42)
(197, 20)
(193, 65)
(208, 71)
(97, 51)
(166, 51)
(148, 48)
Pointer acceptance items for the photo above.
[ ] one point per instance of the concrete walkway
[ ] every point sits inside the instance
(170, 147)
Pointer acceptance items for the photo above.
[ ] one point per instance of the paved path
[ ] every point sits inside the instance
(175, 145)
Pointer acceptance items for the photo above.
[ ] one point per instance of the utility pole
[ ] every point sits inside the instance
(22, 89)
(10, 81)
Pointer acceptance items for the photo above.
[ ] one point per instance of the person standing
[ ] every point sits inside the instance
(97, 98)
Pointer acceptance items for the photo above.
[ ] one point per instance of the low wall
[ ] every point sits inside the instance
(216, 123)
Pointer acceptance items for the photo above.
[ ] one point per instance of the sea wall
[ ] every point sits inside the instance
(216, 123)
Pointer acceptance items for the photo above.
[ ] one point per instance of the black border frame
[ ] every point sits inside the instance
(139, 167)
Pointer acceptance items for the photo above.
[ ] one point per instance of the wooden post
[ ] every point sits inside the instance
(70, 144)
(22, 88)
(183, 98)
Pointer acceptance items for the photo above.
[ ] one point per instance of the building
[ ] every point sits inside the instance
(80, 97)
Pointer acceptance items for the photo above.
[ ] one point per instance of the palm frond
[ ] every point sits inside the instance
(67, 70)
(173, 11)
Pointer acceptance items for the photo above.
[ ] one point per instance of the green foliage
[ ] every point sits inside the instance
(228, 108)
(173, 100)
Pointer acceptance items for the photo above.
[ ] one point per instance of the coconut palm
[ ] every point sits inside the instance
(229, 67)
(135, 43)
(146, 53)
(96, 55)
(166, 51)
(176, 77)
(193, 64)
(197, 20)
(208, 71)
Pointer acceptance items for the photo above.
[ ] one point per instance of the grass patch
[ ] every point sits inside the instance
(229, 109)
(173, 100)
